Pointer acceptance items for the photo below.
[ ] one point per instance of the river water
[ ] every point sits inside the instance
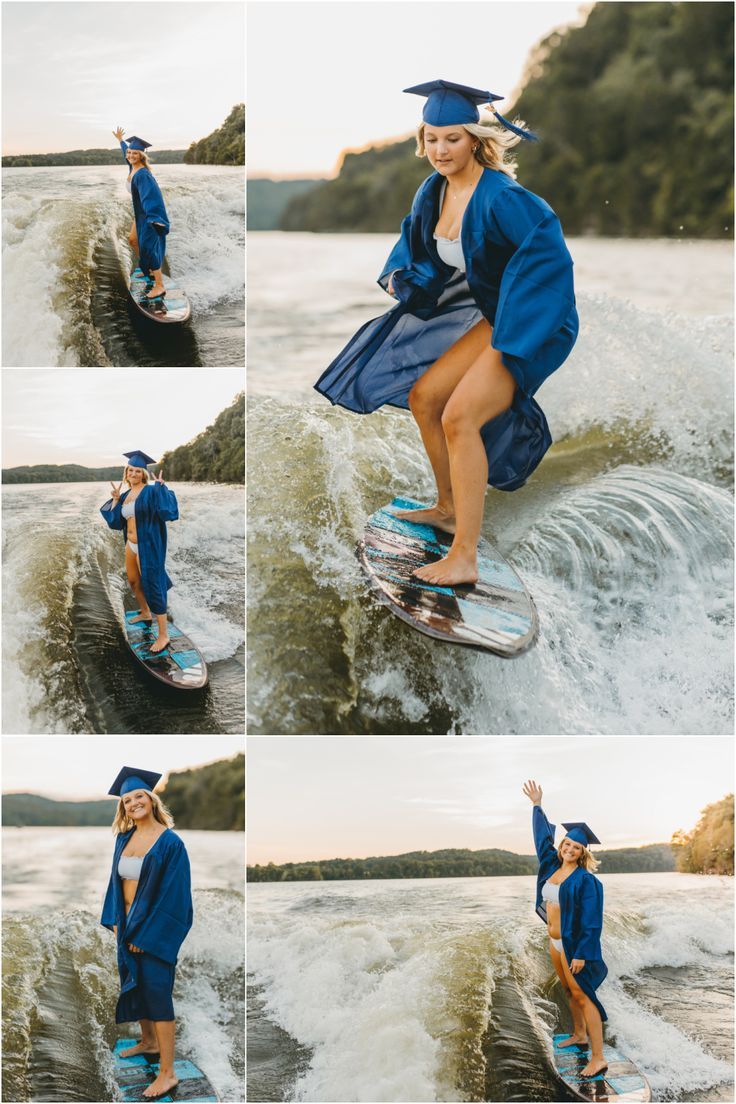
(443, 989)
(66, 254)
(60, 980)
(624, 535)
(66, 666)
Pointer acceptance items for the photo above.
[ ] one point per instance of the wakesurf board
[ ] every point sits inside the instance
(180, 665)
(135, 1074)
(174, 308)
(496, 613)
(621, 1082)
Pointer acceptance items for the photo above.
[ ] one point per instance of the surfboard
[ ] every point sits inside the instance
(174, 308)
(622, 1081)
(135, 1074)
(496, 613)
(180, 665)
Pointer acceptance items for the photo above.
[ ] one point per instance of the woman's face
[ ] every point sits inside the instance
(570, 850)
(137, 804)
(133, 156)
(449, 149)
(135, 476)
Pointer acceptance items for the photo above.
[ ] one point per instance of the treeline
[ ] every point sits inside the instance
(708, 848)
(268, 200)
(60, 473)
(89, 157)
(215, 455)
(225, 146)
(210, 797)
(453, 863)
(635, 109)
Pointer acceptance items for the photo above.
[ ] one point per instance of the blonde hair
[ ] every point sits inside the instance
(494, 142)
(587, 859)
(122, 822)
(127, 468)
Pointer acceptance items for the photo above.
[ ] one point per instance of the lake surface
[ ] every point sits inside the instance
(443, 989)
(624, 535)
(66, 667)
(60, 979)
(66, 255)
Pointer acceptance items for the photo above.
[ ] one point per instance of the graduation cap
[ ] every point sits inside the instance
(579, 831)
(138, 459)
(137, 143)
(450, 104)
(132, 778)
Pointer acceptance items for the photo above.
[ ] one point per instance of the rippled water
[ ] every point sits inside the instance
(66, 255)
(66, 666)
(444, 990)
(624, 535)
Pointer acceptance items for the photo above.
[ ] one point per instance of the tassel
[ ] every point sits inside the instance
(528, 134)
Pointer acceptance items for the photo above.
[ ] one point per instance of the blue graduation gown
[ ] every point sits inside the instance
(581, 910)
(149, 209)
(154, 506)
(519, 276)
(158, 922)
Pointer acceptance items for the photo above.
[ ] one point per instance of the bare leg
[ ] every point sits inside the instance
(163, 634)
(427, 401)
(579, 1035)
(593, 1021)
(133, 570)
(165, 1032)
(133, 237)
(148, 1043)
(486, 390)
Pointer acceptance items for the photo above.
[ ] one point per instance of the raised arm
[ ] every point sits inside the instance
(123, 145)
(544, 832)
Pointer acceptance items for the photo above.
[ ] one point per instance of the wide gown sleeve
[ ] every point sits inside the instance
(163, 502)
(124, 148)
(152, 201)
(112, 515)
(536, 293)
(544, 835)
(108, 909)
(166, 925)
(588, 946)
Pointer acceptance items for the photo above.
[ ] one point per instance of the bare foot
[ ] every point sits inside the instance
(157, 289)
(142, 617)
(455, 567)
(594, 1066)
(162, 1084)
(159, 646)
(432, 515)
(574, 1040)
(145, 1046)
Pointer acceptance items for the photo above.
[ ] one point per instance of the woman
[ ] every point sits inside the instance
(486, 312)
(570, 902)
(141, 513)
(148, 906)
(151, 223)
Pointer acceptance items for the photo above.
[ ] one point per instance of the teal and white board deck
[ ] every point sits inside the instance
(180, 665)
(496, 613)
(135, 1074)
(621, 1082)
(174, 308)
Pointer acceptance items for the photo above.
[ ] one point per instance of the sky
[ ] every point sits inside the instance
(327, 76)
(351, 797)
(91, 416)
(78, 768)
(72, 72)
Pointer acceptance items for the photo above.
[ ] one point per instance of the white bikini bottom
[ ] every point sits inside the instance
(556, 943)
(133, 547)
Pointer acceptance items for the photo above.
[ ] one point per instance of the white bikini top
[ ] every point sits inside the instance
(128, 508)
(551, 892)
(450, 249)
(130, 868)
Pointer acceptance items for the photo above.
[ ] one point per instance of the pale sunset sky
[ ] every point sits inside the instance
(327, 76)
(91, 416)
(351, 797)
(169, 72)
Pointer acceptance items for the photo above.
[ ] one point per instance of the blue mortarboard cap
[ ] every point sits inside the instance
(138, 459)
(450, 104)
(137, 143)
(579, 831)
(132, 778)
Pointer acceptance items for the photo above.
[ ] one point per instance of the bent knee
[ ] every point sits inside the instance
(424, 400)
(457, 419)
